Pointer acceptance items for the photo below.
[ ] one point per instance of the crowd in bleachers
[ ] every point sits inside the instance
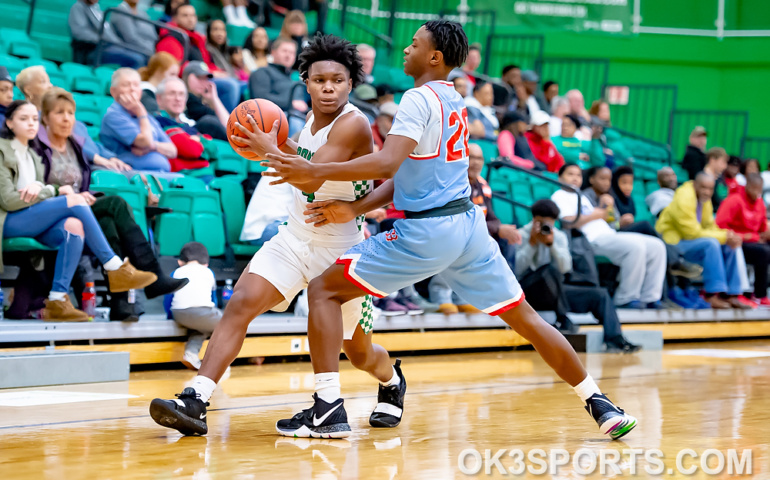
(157, 113)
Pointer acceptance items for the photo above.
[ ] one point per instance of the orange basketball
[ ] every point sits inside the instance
(265, 113)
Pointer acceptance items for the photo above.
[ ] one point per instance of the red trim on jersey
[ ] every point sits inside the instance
(438, 150)
(505, 308)
(448, 84)
(346, 262)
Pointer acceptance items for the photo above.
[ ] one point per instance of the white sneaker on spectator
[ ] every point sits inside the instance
(243, 17)
(191, 360)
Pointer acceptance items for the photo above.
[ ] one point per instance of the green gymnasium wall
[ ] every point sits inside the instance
(711, 74)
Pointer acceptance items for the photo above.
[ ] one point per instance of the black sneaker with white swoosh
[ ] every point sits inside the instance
(612, 421)
(322, 420)
(187, 414)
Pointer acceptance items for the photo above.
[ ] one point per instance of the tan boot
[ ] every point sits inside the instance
(448, 308)
(129, 278)
(469, 309)
(62, 311)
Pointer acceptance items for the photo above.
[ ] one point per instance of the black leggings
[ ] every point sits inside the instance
(758, 255)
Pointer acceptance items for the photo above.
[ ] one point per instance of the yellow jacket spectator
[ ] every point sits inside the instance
(686, 218)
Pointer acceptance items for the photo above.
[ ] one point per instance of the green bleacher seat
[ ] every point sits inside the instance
(207, 222)
(199, 172)
(54, 46)
(93, 132)
(15, 15)
(234, 211)
(24, 48)
(489, 149)
(103, 75)
(73, 70)
(236, 35)
(105, 178)
(189, 184)
(135, 196)
(91, 118)
(47, 64)
(23, 244)
(58, 79)
(650, 187)
(174, 229)
(13, 64)
(87, 84)
(232, 163)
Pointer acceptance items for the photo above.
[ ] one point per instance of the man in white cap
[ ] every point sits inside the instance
(540, 142)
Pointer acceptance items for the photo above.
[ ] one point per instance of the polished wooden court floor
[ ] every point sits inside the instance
(690, 396)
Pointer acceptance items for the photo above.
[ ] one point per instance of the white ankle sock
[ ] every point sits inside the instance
(586, 388)
(54, 296)
(327, 386)
(394, 380)
(204, 386)
(113, 264)
(230, 15)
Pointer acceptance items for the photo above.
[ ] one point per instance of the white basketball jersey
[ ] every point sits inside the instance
(349, 232)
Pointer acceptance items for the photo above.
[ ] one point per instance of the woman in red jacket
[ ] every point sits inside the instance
(743, 212)
(540, 143)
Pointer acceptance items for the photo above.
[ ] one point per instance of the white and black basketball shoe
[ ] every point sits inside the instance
(187, 414)
(390, 403)
(322, 420)
(612, 420)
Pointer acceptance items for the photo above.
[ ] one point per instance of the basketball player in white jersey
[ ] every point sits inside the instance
(336, 131)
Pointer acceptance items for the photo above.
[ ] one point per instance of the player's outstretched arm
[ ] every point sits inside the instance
(337, 211)
(375, 166)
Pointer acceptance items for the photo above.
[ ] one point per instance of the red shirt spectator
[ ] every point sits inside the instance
(745, 217)
(185, 19)
(545, 151)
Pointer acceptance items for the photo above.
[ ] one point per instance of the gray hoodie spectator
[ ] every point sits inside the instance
(139, 34)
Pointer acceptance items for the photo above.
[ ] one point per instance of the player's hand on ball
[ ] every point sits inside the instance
(329, 211)
(255, 141)
(290, 168)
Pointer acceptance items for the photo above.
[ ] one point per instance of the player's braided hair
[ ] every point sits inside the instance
(449, 38)
(336, 49)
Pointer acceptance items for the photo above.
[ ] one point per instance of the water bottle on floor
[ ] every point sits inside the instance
(89, 300)
(227, 292)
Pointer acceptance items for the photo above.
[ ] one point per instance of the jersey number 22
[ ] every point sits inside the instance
(452, 152)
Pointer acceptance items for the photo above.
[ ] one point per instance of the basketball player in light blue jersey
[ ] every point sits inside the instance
(426, 154)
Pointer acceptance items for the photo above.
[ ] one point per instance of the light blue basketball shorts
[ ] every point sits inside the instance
(458, 247)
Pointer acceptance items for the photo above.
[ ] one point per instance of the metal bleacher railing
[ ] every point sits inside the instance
(176, 32)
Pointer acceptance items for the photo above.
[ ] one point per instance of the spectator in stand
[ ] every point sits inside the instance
(601, 110)
(559, 108)
(84, 22)
(507, 236)
(511, 76)
(56, 217)
(368, 55)
(66, 168)
(267, 210)
(141, 35)
(461, 85)
(6, 91)
(365, 98)
(236, 13)
(482, 120)
(172, 101)
(550, 91)
(274, 83)
(161, 66)
(383, 123)
(385, 94)
(695, 155)
(584, 153)
(216, 45)
(536, 102)
(235, 57)
(716, 164)
(294, 28)
(641, 258)
(597, 181)
(541, 146)
(34, 84)
(185, 18)
(127, 129)
(661, 198)
(193, 306)
(749, 166)
(541, 264)
(512, 143)
(732, 175)
(321, 7)
(168, 10)
(472, 62)
(203, 103)
(688, 222)
(256, 50)
(744, 213)
(578, 108)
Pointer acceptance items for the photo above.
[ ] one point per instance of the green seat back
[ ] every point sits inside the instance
(89, 84)
(189, 183)
(207, 224)
(135, 196)
(489, 149)
(174, 229)
(105, 178)
(234, 206)
(23, 244)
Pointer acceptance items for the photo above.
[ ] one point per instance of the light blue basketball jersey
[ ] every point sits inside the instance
(433, 115)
